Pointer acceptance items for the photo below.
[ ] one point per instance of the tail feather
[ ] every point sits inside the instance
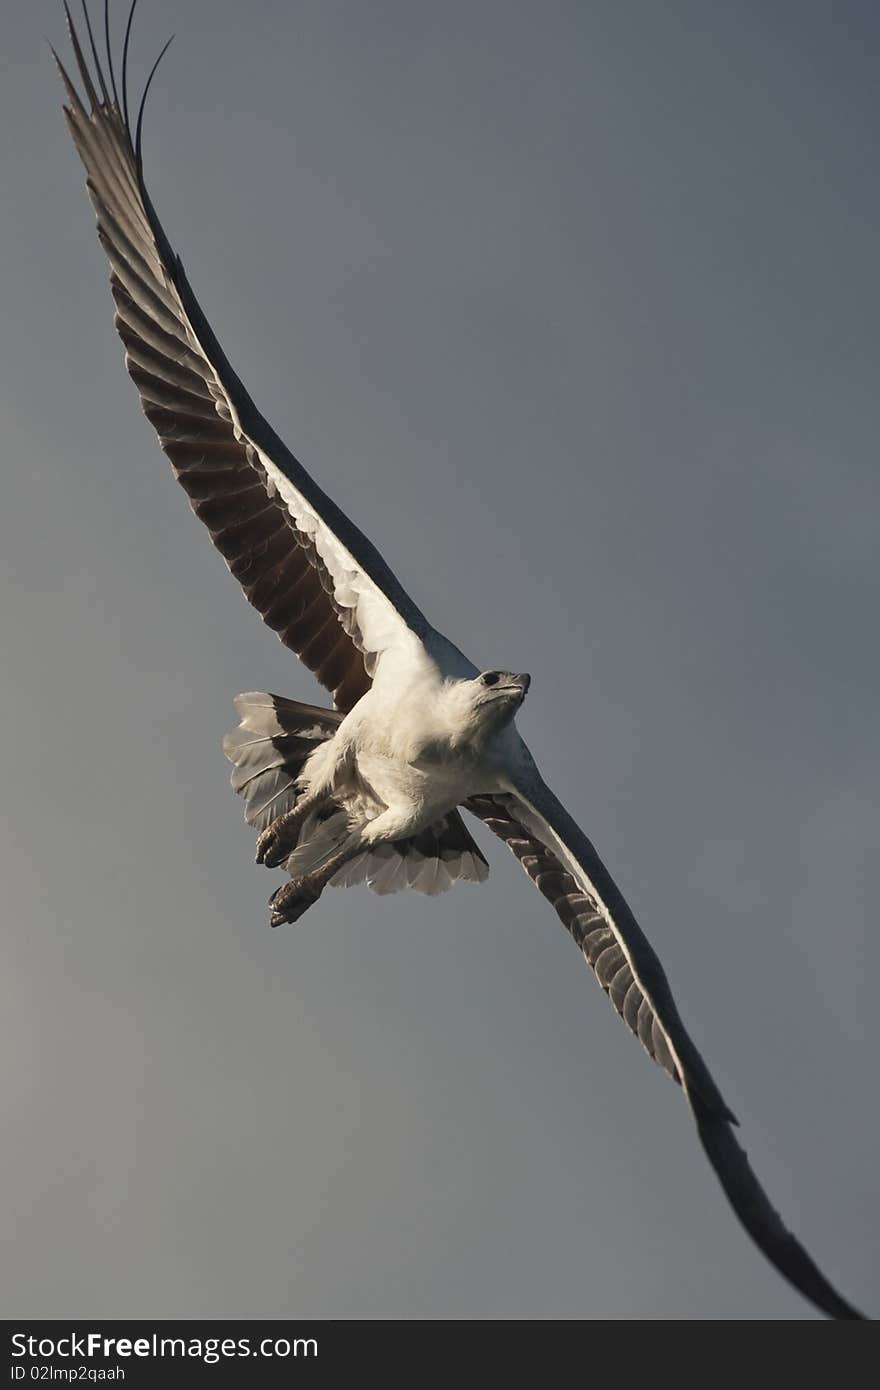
(270, 747)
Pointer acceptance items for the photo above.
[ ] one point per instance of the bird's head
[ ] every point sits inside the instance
(481, 707)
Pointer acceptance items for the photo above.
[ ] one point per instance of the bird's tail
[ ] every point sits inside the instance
(270, 747)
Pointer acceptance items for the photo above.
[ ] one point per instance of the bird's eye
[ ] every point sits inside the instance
(490, 677)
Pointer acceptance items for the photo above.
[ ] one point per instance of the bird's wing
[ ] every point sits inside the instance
(316, 580)
(562, 863)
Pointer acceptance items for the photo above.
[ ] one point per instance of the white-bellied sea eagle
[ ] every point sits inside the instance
(372, 789)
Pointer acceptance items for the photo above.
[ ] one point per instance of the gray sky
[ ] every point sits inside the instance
(574, 309)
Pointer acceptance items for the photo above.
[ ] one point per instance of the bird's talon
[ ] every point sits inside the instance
(275, 843)
(292, 900)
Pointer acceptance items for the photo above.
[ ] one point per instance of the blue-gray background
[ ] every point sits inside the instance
(574, 307)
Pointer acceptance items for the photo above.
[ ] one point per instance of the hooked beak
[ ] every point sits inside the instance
(511, 687)
(516, 683)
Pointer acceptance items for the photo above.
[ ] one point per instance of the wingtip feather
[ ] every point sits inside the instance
(81, 63)
(96, 60)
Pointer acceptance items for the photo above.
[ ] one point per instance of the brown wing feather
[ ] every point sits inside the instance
(601, 925)
(585, 922)
(276, 563)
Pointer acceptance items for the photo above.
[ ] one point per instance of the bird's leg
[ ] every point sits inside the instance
(280, 837)
(324, 769)
(296, 897)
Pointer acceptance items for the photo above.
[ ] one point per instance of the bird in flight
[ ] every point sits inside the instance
(372, 789)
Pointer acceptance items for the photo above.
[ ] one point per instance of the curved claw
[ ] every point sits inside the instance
(292, 900)
(276, 842)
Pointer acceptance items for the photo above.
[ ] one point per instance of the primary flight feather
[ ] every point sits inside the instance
(371, 789)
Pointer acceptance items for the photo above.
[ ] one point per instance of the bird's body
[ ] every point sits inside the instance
(418, 751)
(371, 789)
(417, 745)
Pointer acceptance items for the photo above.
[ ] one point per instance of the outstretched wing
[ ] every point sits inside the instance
(562, 863)
(316, 580)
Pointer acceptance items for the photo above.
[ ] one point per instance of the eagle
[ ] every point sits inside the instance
(371, 789)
